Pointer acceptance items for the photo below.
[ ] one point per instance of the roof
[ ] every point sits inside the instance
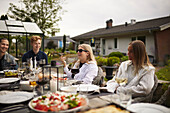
(153, 24)
(18, 27)
(60, 38)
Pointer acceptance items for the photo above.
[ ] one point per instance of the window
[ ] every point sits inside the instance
(115, 42)
(103, 43)
(142, 38)
(81, 42)
(133, 38)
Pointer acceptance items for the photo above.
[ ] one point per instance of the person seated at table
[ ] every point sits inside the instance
(138, 71)
(35, 51)
(86, 64)
(5, 58)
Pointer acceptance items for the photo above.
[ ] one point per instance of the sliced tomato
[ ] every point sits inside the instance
(53, 108)
(51, 97)
(35, 101)
(82, 101)
(79, 104)
(41, 107)
(62, 98)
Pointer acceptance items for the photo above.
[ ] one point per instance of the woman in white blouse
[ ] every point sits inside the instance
(86, 64)
(138, 71)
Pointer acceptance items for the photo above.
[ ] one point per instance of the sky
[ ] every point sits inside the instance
(86, 15)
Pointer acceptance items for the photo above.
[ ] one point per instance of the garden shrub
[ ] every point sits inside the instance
(124, 58)
(101, 61)
(112, 60)
(116, 54)
(72, 52)
(163, 74)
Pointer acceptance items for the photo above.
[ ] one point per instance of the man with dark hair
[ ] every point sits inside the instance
(6, 60)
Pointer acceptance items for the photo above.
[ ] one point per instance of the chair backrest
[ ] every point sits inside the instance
(147, 98)
(99, 79)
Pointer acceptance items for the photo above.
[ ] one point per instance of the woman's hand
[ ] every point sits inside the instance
(63, 60)
(117, 65)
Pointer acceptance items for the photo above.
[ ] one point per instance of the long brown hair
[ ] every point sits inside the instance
(140, 56)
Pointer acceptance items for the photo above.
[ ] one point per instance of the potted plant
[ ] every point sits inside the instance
(109, 67)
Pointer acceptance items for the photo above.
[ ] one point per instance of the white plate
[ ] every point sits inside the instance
(87, 87)
(8, 80)
(62, 111)
(60, 75)
(148, 108)
(69, 89)
(10, 70)
(15, 97)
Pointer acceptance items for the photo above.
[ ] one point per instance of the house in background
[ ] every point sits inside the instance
(155, 33)
(58, 41)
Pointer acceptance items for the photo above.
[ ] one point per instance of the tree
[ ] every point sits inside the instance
(4, 17)
(46, 13)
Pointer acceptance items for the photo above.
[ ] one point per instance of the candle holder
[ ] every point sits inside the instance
(56, 77)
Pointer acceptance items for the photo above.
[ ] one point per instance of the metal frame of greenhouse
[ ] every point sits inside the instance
(13, 27)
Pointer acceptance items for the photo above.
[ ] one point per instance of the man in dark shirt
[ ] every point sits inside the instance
(6, 60)
(36, 45)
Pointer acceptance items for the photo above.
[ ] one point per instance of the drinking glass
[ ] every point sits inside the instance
(121, 80)
(83, 89)
(42, 62)
(33, 82)
(125, 99)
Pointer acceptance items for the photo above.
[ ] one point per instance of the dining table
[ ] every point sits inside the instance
(96, 99)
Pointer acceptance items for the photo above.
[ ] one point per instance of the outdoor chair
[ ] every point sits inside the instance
(99, 79)
(164, 98)
(148, 98)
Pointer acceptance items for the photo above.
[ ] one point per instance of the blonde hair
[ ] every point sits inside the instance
(140, 56)
(88, 48)
(35, 38)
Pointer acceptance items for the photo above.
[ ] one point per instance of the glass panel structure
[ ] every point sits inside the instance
(3, 27)
(32, 27)
(13, 23)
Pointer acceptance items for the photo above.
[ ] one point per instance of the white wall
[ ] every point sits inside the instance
(123, 43)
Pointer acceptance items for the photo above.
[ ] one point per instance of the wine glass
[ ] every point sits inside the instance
(42, 62)
(121, 80)
(41, 83)
(33, 81)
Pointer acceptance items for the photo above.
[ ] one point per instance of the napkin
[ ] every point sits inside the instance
(111, 86)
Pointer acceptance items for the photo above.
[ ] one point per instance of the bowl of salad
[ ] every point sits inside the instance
(58, 102)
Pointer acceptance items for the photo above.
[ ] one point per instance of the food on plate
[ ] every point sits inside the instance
(9, 73)
(107, 109)
(57, 101)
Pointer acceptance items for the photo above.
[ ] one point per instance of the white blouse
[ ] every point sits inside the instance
(86, 74)
(139, 85)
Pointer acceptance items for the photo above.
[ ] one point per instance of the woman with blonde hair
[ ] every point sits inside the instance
(138, 71)
(86, 64)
